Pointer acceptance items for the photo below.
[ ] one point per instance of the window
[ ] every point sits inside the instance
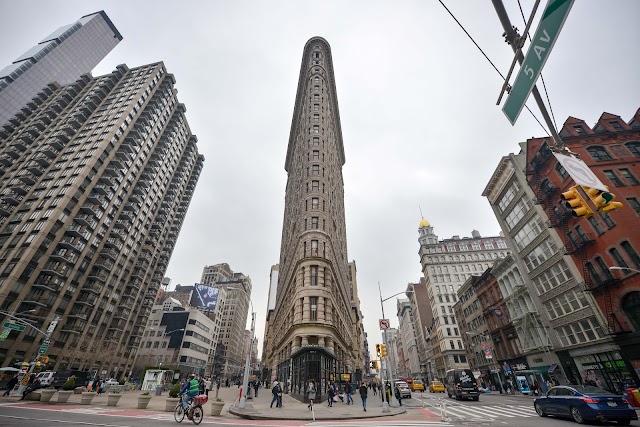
(315, 169)
(620, 262)
(316, 141)
(314, 308)
(616, 125)
(562, 171)
(596, 225)
(315, 185)
(316, 117)
(604, 267)
(529, 232)
(579, 129)
(315, 155)
(634, 203)
(631, 252)
(314, 248)
(540, 254)
(314, 222)
(509, 195)
(598, 153)
(613, 177)
(316, 107)
(315, 203)
(634, 147)
(488, 245)
(626, 173)
(316, 129)
(607, 219)
(517, 213)
(314, 275)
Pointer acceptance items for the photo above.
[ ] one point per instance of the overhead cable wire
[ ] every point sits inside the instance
(490, 62)
(544, 85)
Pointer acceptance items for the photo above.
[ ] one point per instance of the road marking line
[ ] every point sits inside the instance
(487, 412)
(64, 421)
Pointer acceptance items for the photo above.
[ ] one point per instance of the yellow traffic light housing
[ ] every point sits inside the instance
(378, 352)
(577, 203)
(383, 347)
(603, 199)
(374, 365)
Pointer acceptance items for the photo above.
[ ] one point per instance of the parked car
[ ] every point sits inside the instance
(404, 389)
(111, 381)
(60, 377)
(585, 404)
(46, 378)
(417, 385)
(462, 384)
(436, 387)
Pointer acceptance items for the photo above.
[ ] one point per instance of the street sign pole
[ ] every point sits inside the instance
(513, 39)
(553, 18)
(45, 345)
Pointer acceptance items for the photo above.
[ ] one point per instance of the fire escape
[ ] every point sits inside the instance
(576, 240)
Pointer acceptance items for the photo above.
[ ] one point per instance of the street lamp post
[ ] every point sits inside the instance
(245, 381)
(385, 403)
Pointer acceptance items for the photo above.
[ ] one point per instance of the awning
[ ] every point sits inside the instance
(552, 368)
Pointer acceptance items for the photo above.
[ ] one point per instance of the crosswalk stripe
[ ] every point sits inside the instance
(506, 411)
(487, 412)
(524, 409)
(468, 411)
(458, 411)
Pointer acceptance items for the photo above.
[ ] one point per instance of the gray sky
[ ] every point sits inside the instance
(417, 105)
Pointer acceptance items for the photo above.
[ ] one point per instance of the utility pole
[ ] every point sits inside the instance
(245, 381)
(45, 345)
(514, 39)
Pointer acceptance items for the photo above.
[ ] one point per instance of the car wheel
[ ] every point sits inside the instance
(624, 422)
(577, 415)
(539, 410)
(449, 395)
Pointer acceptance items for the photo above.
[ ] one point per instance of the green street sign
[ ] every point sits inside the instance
(14, 326)
(43, 348)
(5, 333)
(545, 37)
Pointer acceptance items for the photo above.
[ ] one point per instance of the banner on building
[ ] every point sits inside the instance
(204, 296)
(498, 312)
(487, 351)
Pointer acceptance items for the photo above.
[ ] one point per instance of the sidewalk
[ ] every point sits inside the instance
(256, 408)
(292, 409)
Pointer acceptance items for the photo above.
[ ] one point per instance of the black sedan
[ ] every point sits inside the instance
(585, 404)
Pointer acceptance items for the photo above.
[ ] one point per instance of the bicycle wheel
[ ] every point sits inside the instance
(178, 413)
(198, 414)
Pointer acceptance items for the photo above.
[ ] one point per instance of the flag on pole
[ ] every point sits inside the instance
(497, 311)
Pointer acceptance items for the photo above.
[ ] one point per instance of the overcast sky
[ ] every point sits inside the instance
(417, 106)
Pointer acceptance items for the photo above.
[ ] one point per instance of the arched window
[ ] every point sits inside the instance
(634, 147)
(598, 153)
(631, 307)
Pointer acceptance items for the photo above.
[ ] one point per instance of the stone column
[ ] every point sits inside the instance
(305, 309)
(321, 308)
(295, 344)
(321, 341)
(329, 310)
(297, 314)
(305, 341)
(330, 344)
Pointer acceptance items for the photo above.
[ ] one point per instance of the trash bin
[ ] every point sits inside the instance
(158, 390)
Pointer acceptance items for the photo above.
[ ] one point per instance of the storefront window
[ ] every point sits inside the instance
(631, 307)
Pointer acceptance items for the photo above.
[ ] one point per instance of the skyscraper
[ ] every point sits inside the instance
(61, 57)
(96, 179)
(311, 325)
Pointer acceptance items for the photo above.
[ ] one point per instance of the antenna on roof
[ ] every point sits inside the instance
(421, 216)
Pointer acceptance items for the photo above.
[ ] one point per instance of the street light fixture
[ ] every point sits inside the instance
(385, 403)
(615, 267)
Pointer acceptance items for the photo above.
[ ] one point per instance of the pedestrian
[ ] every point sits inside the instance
(311, 390)
(347, 390)
(363, 396)
(10, 385)
(274, 391)
(256, 386)
(398, 395)
(102, 385)
(33, 385)
(536, 388)
(331, 393)
(280, 395)
(375, 389)
(207, 386)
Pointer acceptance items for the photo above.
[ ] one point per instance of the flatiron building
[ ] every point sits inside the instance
(311, 331)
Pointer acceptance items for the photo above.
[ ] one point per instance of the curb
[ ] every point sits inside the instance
(258, 416)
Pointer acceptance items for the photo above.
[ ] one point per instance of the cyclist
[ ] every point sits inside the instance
(191, 387)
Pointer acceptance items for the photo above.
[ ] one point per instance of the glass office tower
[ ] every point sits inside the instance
(61, 57)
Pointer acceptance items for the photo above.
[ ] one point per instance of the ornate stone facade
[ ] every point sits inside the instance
(311, 333)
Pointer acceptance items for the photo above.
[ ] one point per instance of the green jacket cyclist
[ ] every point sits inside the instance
(192, 388)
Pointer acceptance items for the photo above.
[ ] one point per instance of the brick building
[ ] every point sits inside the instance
(611, 148)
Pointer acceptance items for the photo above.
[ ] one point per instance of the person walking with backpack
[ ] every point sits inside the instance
(274, 392)
(363, 396)
(330, 394)
(347, 390)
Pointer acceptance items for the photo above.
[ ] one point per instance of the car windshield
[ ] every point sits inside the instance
(401, 384)
(589, 390)
(417, 382)
(436, 383)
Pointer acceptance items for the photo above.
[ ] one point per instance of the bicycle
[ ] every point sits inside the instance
(194, 410)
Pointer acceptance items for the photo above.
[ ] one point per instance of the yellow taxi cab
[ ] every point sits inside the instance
(417, 385)
(436, 387)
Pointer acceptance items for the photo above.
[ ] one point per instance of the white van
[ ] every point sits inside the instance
(46, 378)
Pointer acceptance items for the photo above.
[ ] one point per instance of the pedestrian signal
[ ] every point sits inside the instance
(378, 352)
(577, 203)
(602, 199)
(374, 365)
(383, 347)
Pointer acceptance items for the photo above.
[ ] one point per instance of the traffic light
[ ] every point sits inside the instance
(378, 352)
(374, 365)
(383, 347)
(577, 203)
(602, 199)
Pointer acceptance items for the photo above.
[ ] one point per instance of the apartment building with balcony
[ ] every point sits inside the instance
(95, 181)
